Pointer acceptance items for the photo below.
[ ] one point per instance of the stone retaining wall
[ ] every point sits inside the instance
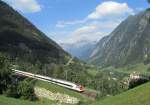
(62, 98)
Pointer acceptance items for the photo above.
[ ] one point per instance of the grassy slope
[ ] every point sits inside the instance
(92, 72)
(136, 96)
(12, 101)
(141, 68)
(55, 89)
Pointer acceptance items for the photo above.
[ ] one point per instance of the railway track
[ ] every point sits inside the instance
(66, 84)
(90, 94)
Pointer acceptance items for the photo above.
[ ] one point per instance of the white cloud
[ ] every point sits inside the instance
(86, 29)
(106, 17)
(25, 6)
(110, 8)
(88, 37)
(107, 25)
(90, 32)
(101, 22)
(61, 24)
(140, 9)
(105, 10)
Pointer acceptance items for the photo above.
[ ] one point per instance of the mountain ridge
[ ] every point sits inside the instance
(127, 44)
(16, 32)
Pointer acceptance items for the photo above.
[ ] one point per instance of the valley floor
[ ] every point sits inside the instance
(136, 96)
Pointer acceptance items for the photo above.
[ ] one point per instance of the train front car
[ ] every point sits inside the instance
(78, 88)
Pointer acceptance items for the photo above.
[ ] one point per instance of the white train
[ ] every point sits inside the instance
(63, 83)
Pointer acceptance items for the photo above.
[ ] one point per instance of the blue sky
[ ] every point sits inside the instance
(72, 21)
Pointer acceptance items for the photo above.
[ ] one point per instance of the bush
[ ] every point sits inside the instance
(81, 103)
(5, 73)
(148, 69)
(26, 90)
(147, 61)
(11, 91)
(135, 83)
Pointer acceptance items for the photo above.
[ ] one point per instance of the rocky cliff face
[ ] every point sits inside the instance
(129, 43)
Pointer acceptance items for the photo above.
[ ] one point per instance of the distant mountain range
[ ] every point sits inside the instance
(128, 44)
(81, 49)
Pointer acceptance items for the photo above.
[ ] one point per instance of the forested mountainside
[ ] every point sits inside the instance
(19, 38)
